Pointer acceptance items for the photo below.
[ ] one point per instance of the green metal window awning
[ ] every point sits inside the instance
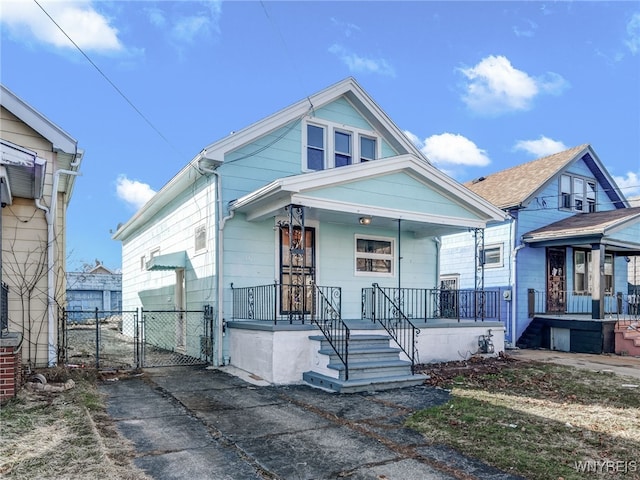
(169, 261)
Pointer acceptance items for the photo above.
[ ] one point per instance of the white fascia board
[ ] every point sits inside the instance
(60, 139)
(162, 198)
(391, 213)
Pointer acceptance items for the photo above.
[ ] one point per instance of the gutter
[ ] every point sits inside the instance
(50, 216)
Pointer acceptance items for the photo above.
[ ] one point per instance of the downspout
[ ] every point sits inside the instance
(50, 216)
(513, 281)
(219, 259)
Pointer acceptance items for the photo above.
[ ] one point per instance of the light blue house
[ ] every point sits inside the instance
(314, 237)
(561, 258)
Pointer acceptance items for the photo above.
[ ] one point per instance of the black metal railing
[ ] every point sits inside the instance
(296, 304)
(385, 309)
(563, 302)
(424, 304)
(329, 321)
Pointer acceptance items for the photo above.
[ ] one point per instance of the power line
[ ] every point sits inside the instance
(120, 92)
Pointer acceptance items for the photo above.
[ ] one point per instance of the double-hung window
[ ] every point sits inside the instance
(342, 147)
(315, 147)
(367, 149)
(374, 256)
(583, 269)
(331, 145)
(578, 194)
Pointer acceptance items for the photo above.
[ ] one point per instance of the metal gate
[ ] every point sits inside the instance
(135, 339)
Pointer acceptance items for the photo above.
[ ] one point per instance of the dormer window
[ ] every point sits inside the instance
(333, 145)
(577, 194)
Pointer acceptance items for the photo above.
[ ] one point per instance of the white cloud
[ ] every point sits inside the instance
(133, 192)
(451, 149)
(187, 21)
(541, 147)
(359, 64)
(89, 29)
(629, 184)
(633, 34)
(494, 86)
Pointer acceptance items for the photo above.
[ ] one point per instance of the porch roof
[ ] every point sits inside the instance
(618, 229)
(399, 188)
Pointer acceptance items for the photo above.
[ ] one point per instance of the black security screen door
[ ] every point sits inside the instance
(297, 269)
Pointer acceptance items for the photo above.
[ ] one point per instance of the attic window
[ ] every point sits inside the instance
(330, 145)
(577, 194)
(200, 238)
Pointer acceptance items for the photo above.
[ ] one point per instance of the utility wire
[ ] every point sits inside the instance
(105, 76)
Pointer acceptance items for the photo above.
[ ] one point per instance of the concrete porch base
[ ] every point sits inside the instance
(281, 354)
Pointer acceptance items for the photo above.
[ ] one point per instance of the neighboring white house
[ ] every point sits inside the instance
(317, 224)
(39, 165)
(562, 256)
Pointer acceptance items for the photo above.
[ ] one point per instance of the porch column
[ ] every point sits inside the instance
(598, 283)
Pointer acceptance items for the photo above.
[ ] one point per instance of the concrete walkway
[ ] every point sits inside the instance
(196, 424)
(620, 365)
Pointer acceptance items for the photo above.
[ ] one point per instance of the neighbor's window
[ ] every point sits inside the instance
(578, 194)
(315, 147)
(374, 256)
(583, 272)
(143, 262)
(491, 256)
(200, 238)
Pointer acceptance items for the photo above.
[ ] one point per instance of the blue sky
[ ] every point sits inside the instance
(479, 86)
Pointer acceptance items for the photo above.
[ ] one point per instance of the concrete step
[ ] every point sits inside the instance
(386, 368)
(364, 354)
(362, 384)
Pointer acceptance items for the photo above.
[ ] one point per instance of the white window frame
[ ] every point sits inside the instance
(493, 246)
(329, 132)
(374, 256)
(587, 197)
(143, 263)
(446, 281)
(588, 275)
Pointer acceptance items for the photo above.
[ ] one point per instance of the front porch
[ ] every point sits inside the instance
(398, 329)
(569, 322)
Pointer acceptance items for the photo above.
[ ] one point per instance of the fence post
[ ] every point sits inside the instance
(97, 340)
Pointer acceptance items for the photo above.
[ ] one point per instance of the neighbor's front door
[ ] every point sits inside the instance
(556, 280)
(297, 269)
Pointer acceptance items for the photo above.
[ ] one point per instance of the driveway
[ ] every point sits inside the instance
(196, 423)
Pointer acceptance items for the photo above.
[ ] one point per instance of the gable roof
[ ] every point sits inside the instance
(306, 190)
(213, 155)
(588, 227)
(517, 186)
(348, 88)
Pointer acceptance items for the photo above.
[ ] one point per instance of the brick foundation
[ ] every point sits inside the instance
(10, 365)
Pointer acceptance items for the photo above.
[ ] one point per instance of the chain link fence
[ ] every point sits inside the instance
(135, 339)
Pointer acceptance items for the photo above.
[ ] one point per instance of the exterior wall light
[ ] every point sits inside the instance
(365, 220)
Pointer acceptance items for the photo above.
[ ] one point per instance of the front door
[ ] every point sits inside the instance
(556, 280)
(297, 270)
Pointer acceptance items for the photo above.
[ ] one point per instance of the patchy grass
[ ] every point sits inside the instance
(63, 435)
(537, 420)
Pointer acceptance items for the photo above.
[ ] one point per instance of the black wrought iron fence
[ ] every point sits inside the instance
(561, 302)
(424, 304)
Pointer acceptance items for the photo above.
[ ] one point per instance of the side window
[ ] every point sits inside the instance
(200, 238)
(315, 147)
(565, 191)
(492, 256)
